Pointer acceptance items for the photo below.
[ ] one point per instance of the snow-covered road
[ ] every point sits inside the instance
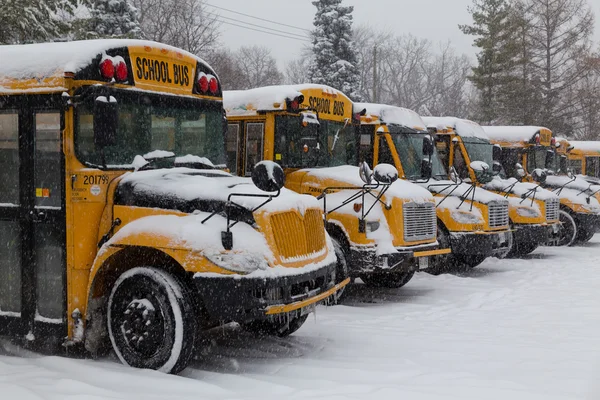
(510, 329)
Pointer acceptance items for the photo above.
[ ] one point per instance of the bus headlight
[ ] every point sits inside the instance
(244, 263)
(466, 217)
(528, 212)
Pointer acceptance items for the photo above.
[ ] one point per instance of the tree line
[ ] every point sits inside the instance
(536, 62)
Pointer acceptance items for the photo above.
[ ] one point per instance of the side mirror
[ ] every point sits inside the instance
(427, 146)
(482, 171)
(570, 173)
(268, 176)
(497, 152)
(520, 170)
(539, 175)
(106, 121)
(496, 167)
(385, 174)
(426, 169)
(365, 173)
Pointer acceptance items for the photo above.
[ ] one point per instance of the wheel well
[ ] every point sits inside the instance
(338, 234)
(130, 257)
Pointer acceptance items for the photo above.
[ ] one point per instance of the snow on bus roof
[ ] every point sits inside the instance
(512, 133)
(392, 114)
(266, 98)
(585, 145)
(462, 127)
(43, 60)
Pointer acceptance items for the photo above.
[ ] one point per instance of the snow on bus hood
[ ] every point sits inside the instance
(202, 190)
(459, 189)
(576, 192)
(520, 188)
(555, 181)
(348, 174)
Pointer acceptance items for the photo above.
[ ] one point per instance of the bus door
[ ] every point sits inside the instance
(32, 222)
(245, 146)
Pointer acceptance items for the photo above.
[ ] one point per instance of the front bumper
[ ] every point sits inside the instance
(364, 260)
(475, 243)
(245, 299)
(589, 222)
(535, 233)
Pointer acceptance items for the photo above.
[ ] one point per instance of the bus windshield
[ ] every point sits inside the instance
(536, 158)
(410, 151)
(479, 150)
(312, 146)
(150, 123)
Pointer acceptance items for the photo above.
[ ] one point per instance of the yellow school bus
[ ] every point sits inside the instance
(383, 233)
(117, 226)
(533, 211)
(584, 158)
(532, 153)
(473, 222)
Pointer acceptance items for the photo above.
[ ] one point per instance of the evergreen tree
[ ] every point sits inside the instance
(111, 19)
(23, 21)
(334, 57)
(494, 28)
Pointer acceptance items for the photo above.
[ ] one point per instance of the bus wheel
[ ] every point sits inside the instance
(341, 268)
(151, 321)
(276, 328)
(567, 230)
(391, 280)
(584, 235)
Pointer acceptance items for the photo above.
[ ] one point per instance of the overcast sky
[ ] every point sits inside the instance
(437, 20)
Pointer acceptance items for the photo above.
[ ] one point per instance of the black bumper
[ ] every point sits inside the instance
(475, 244)
(367, 260)
(589, 222)
(537, 234)
(241, 299)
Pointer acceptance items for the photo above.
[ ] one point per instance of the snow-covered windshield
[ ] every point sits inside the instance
(479, 150)
(410, 151)
(311, 146)
(153, 124)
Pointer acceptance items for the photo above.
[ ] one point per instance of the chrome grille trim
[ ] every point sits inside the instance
(420, 221)
(552, 207)
(498, 214)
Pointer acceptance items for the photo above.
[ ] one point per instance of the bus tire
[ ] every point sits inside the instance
(567, 230)
(151, 321)
(584, 235)
(278, 328)
(392, 280)
(341, 267)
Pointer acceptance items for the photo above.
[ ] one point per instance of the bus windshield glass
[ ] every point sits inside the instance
(153, 123)
(537, 158)
(312, 145)
(479, 150)
(410, 151)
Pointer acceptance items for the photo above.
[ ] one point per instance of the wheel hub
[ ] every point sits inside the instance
(142, 326)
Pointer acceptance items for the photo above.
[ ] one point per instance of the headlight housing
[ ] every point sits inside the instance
(528, 212)
(466, 217)
(244, 263)
(372, 226)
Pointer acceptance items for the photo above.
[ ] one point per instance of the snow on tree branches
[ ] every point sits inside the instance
(112, 19)
(334, 58)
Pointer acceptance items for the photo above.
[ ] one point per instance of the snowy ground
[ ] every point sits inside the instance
(513, 329)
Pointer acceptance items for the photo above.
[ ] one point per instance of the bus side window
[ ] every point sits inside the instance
(254, 145)
(48, 160)
(9, 157)
(460, 164)
(232, 142)
(385, 154)
(591, 166)
(575, 166)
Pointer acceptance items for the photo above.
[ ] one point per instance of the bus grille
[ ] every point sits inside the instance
(498, 214)
(299, 238)
(552, 207)
(420, 221)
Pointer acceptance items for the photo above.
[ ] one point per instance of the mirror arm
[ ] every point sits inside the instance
(377, 200)
(350, 199)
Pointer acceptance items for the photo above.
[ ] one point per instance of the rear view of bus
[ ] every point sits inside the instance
(117, 224)
(383, 229)
(471, 221)
(529, 153)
